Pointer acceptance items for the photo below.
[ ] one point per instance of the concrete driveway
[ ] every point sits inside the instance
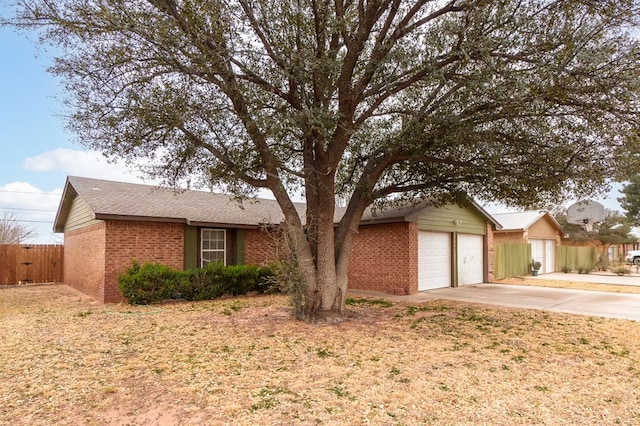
(581, 302)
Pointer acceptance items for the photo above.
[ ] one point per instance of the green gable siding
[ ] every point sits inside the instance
(451, 218)
(190, 247)
(80, 215)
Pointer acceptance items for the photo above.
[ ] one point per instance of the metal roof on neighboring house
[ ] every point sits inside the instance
(519, 221)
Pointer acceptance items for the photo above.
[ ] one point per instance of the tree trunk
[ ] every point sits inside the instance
(326, 285)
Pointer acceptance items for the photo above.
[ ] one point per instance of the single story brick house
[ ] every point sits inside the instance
(106, 224)
(537, 228)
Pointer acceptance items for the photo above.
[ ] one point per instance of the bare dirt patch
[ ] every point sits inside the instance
(67, 360)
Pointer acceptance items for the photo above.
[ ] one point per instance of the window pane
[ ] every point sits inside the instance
(212, 245)
(212, 256)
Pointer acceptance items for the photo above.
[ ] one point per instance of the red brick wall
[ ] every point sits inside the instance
(84, 260)
(144, 241)
(489, 254)
(95, 255)
(509, 237)
(385, 257)
(259, 247)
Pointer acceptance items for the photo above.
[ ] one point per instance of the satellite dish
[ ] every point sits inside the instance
(585, 213)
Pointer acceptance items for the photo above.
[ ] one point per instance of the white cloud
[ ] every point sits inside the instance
(89, 164)
(34, 208)
(24, 195)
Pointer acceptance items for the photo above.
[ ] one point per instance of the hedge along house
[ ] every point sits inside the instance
(537, 228)
(108, 224)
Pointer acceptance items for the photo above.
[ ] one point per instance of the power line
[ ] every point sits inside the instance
(27, 209)
(29, 193)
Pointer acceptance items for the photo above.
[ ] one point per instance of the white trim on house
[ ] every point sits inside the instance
(213, 246)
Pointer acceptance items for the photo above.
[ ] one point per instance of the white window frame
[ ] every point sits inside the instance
(224, 245)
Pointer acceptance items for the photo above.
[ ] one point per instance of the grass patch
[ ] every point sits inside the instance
(360, 301)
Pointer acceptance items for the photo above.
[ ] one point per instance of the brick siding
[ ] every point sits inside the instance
(96, 254)
(490, 254)
(143, 241)
(84, 260)
(260, 247)
(385, 258)
(510, 237)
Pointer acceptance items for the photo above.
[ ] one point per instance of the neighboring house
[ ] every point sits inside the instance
(107, 224)
(537, 228)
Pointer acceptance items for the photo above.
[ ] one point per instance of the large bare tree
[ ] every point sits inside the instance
(12, 231)
(517, 101)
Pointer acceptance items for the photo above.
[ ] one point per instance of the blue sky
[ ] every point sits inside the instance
(37, 152)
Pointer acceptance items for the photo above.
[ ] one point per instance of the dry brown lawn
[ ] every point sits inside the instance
(67, 360)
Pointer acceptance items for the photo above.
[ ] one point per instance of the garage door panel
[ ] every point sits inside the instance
(434, 260)
(544, 252)
(470, 259)
(549, 258)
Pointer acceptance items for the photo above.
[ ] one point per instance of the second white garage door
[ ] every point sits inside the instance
(434, 260)
(470, 259)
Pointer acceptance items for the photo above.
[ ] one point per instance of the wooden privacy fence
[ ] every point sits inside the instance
(31, 263)
(514, 259)
(574, 258)
(511, 260)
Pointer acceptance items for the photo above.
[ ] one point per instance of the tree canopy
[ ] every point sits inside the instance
(517, 101)
(630, 200)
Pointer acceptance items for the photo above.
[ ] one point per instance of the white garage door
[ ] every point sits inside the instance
(470, 259)
(549, 258)
(434, 260)
(543, 251)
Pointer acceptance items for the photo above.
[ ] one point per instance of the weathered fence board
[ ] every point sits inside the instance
(511, 260)
(31, 263)
(573, 258)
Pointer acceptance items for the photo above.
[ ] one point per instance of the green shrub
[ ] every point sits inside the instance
(239, 279)
(619, 269)
(202, 284)
(602, 264)
(152, 282)
(148, 283)
(565, 269)
(585, 269)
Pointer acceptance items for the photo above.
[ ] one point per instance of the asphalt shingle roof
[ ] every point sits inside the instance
(108, 199)
(129, 201)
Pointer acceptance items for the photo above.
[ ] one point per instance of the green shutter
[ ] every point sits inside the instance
(190, 247)
(239, 249)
